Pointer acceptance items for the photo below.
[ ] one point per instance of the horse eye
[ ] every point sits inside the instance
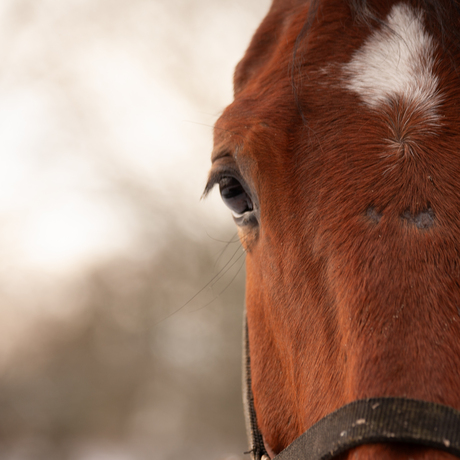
(235, 197)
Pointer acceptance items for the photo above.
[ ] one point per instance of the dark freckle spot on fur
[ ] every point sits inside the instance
(265, 125)
(373, 215)
(423, 220)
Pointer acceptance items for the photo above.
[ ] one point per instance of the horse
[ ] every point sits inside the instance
(339, 159)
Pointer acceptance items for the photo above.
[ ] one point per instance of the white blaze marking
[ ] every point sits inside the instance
(396, 62)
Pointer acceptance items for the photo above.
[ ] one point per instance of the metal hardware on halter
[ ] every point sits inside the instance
(374, 420)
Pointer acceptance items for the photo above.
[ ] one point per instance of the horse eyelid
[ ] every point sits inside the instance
(213, 179)
(216, 176)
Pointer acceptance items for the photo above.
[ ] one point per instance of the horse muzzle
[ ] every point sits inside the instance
(366, 421)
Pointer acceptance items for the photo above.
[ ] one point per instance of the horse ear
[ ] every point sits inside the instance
(265, 40)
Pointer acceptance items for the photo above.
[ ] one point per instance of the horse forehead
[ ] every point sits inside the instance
(250, 125)
(395, 61)
(391, 62)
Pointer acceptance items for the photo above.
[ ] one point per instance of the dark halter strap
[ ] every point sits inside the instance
(375, 420)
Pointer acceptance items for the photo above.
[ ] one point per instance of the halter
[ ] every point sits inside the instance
(365, 421)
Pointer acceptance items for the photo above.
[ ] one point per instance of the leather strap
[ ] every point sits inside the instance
(255, 439)
(378, 420)
(374, 420)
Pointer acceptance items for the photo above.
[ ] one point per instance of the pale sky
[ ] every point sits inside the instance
(105, 105)
(95, 93)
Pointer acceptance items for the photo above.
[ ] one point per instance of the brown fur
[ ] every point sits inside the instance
(347, 296)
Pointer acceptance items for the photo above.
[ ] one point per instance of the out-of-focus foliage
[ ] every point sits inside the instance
(109, 347)
(129, 372)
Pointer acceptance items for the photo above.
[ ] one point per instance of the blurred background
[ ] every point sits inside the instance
(121, 293)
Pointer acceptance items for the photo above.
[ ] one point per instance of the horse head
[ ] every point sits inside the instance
(339, 159)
